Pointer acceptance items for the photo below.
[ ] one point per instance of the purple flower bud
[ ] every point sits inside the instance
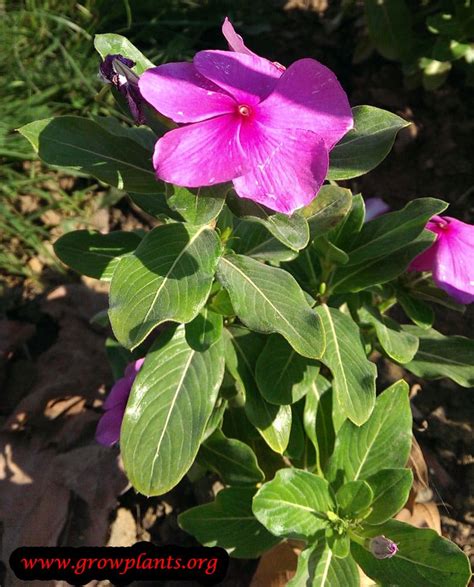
(108, 429)
(116, 70)
(382, 547)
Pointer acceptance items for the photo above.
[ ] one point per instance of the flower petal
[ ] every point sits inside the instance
(291, 166)
(118, 395)
(249, 78)
(236, 43)
(201, 154)
(426, 260)
(180, 92)
(453, 270)
(375, 207)
(108, 428)
(308, 96)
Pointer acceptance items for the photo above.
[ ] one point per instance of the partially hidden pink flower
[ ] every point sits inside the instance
(108, 429)
(382, 547)
(450, 258)
(245, 119)
(375, 207)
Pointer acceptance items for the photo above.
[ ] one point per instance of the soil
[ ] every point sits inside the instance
(54, 371)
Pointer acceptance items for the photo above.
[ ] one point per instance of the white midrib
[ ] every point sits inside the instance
(170, 411)
(142, 169)
(263, 295)
(324, 576)
(336, 348)
(168, 273)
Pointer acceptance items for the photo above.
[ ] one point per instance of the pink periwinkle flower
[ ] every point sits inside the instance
(382, 547)
(375, 207)
(246, 119)
(450, 258)
(108, 429)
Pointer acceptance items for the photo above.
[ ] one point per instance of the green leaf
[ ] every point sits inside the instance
(353, 498)
(400, 345)
(339, 544)
(94, 254)
(293, 504)
(233, 460)
(118, 357)
(141, 135)
(327, 210)
(283, 376)
(355, 278)
(175, 391)
(418, 311)
(228, 522)
(390, 28)
(354, 375)
(268, 299)
(318, 567)
(347, 231)
(204, 330)
(391, 488)
(241, 352)
(292, 231)
(393, 231)
(168, 277)
(317, 419)
(442, 356)
(155, 205)
(254, 240)
(366, 145)
(82, 144)
(384, 441)
(112, 44)
(423, 558)
(197, 206)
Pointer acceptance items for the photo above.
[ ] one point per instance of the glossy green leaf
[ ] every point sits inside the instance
(273, 422)
(391, 488)
(348, 230)
(173, 394)
(197, 206)
(384, 441)
(354, 498)
(318, 567)
(354, 375)
(293, 504)
(423, 559)
(400, 345)
(328, 209)
(204, 330)
(354, 278)
(393, 231)
(317, 419)
(417, 310)
(254, 240)
(292, 231)
(233, 460)
(155, 204)
(94, 254)
(269, 300)
(141, 135)
(228, 522)
(283, 376)
(112, 44)
(339, 544)
(168, 277)
(367, 144)
(442, 356)
(390, 28)
(82, 144)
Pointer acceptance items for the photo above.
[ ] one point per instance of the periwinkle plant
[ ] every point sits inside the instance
(270, 296)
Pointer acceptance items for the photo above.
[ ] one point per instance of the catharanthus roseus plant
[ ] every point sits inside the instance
(250, 313)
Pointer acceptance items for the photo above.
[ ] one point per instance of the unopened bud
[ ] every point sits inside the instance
(382, 547)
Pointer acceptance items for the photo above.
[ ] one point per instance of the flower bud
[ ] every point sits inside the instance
(382, 547)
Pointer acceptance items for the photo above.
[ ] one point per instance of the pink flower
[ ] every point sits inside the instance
(450, 258)
(108, 429)
(375, 207)
(245, 119)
